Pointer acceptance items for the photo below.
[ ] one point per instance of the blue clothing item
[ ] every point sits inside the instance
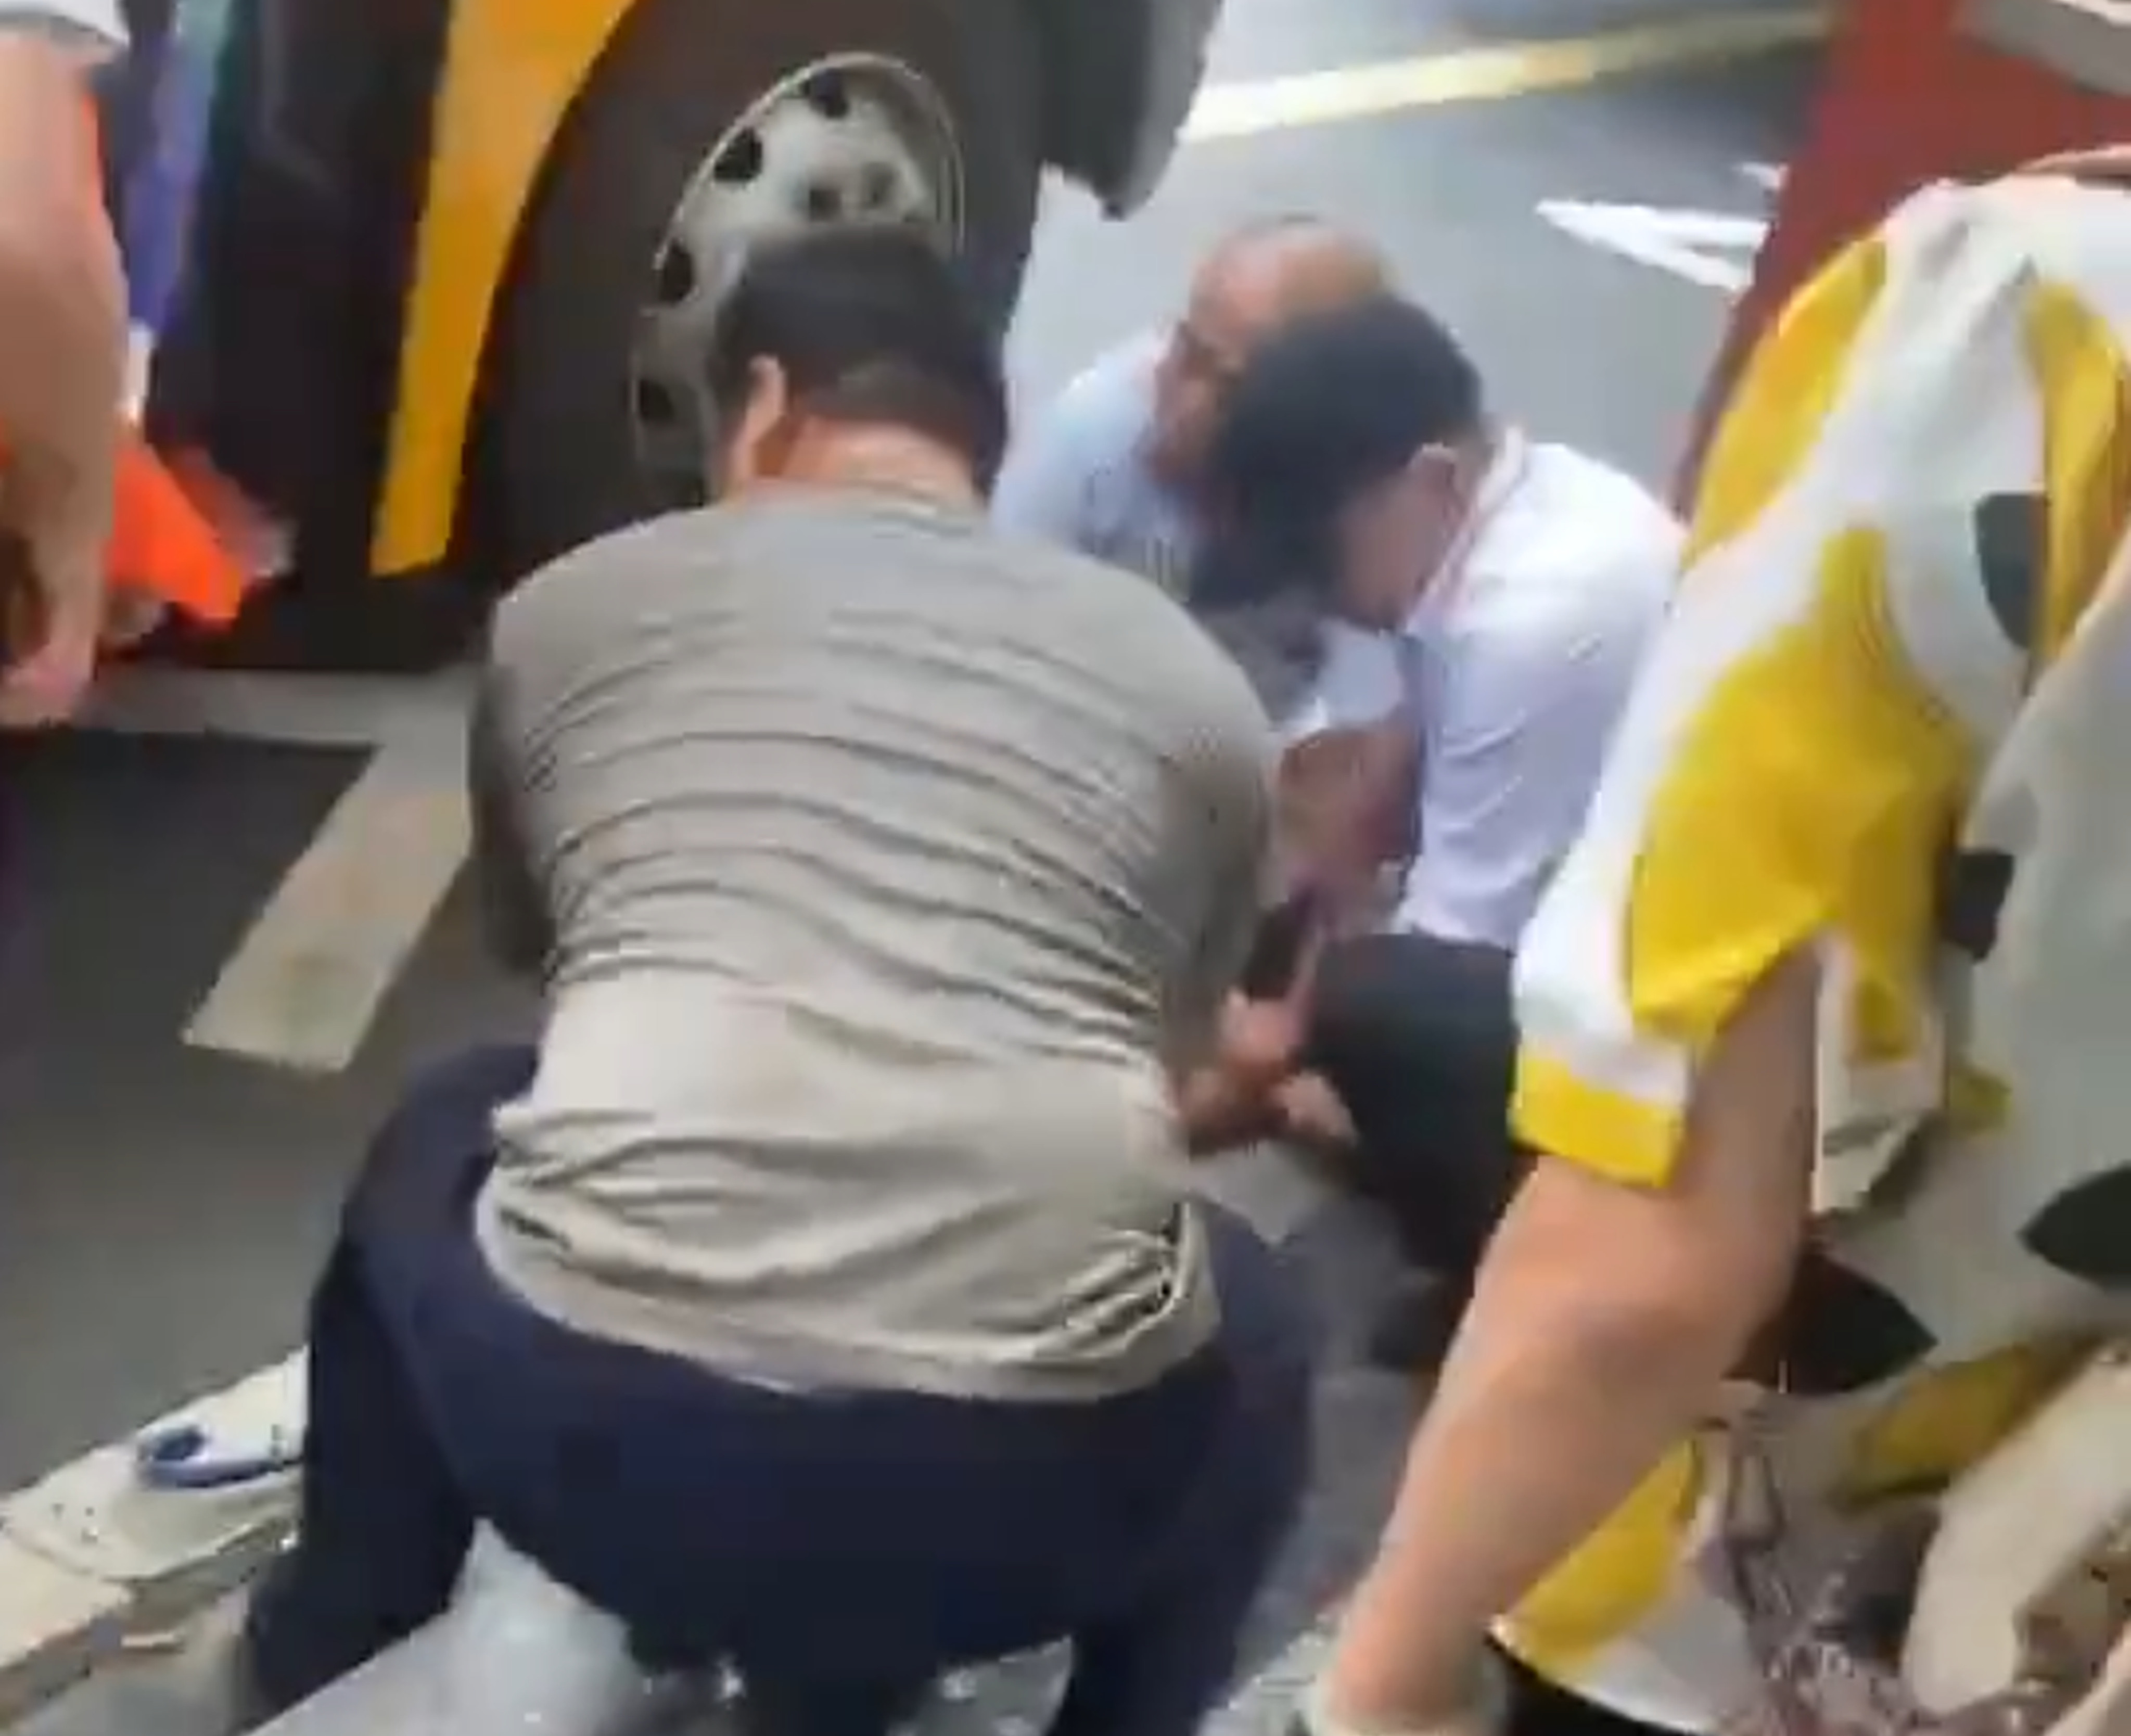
(1080, 477)
(843, 1547)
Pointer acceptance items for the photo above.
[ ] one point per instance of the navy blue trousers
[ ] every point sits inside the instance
(842, 1548)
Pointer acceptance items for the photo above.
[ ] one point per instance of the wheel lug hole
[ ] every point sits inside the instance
(829, 94)
(740, 162)
(877, 189)
(822, 202)
(677, 275)
(656, 406)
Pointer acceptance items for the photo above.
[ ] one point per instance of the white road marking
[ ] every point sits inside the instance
(1265, 1705)
(299, 711)
(1494, 72)
(304, 984)
(1708, 248)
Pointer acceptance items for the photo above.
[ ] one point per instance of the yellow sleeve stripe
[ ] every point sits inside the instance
(1790, 383)
(2086, 391)
(1556, 1110)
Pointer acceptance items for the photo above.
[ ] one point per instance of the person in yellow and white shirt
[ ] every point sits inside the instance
(1822, 1020)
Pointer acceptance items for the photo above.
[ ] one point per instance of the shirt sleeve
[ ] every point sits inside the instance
(513, 909)
(97, 28)
(1053, 470)
(1526, 707)
(1851, 639)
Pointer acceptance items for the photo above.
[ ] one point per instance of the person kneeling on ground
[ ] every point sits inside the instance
(1821, 1021)
(1358, 468)
(1117, 465)
(827, 1291)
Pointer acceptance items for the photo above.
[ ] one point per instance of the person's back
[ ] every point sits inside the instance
(875, 839)
(819, 1295)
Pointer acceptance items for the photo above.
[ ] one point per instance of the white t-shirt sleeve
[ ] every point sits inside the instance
(1519, 739)
(95, 26)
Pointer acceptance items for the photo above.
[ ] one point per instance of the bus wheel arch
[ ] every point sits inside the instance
(698, 129)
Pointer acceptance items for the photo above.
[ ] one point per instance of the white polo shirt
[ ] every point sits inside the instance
(97, 26)
(1516, 662)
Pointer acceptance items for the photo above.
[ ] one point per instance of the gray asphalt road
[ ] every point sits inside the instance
(162, 1209)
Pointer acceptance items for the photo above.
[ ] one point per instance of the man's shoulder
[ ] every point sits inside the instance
(1135, 638)
(1613, 514)
(1587, 551)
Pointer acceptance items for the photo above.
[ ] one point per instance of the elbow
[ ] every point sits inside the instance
(1680, 1289)
(1703, 1303)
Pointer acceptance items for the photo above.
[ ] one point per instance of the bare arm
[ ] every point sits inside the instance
(62, 315)
(1574, 1374)
(1768, 797)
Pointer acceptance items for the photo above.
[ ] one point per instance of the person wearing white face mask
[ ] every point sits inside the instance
(1359, 476)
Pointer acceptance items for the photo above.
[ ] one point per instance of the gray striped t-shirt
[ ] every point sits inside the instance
(888, 857)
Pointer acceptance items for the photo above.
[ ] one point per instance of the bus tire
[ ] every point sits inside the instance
(557, 450)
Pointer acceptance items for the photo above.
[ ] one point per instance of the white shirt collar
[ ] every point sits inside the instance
(1505, 474)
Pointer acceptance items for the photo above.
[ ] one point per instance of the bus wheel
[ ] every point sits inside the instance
(709, 124)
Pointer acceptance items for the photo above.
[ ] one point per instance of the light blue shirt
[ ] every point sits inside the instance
(1081, 477)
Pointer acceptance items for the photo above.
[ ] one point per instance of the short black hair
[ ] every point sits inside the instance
(1327, 407)
(871, 323)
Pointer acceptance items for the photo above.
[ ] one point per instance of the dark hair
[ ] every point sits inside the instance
(871, 323)
(1327, 407)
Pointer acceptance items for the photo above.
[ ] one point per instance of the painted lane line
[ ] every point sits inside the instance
(90, 1561)
(55, 1626)
(1250, 108)
(1707, 248)
(297, 710)
(302, 986)
(1265, 1705)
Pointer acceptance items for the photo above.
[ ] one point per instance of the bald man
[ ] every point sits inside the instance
(1112, 468)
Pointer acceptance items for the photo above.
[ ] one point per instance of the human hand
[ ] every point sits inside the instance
(1348, 803)
(54, 526)
(1260, 1037)
(55, 609)
(1312, 1115)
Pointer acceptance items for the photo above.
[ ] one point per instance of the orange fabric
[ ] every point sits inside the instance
(161, 543)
